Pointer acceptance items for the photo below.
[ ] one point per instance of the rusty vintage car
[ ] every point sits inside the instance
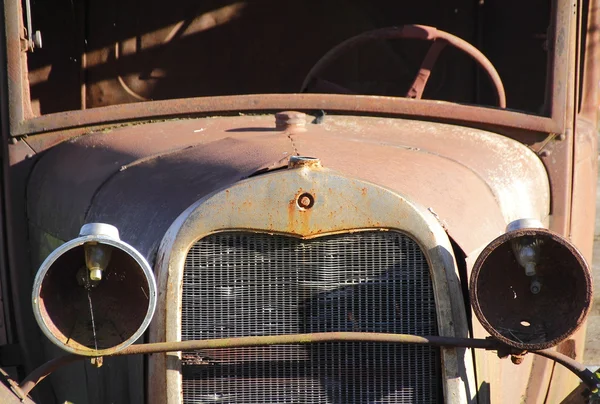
(297, 201)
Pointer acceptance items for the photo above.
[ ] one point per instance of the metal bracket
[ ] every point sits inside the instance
(34, 39)
(7, 381)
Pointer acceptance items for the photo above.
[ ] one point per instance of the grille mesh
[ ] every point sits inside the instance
(243, 284)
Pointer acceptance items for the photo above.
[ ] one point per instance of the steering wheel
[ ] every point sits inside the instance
(439, 39)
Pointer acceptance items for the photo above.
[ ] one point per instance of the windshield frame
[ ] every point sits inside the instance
(560, 83)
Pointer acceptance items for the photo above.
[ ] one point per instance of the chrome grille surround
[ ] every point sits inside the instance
(245, 284)
(268, 204)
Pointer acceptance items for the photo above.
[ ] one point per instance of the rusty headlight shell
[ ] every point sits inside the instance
(530, 288)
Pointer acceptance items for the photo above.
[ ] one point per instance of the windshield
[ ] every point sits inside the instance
(99, 53)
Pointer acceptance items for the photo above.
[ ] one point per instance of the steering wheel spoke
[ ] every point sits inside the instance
(418, 86)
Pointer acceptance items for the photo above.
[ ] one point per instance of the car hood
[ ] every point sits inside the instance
(141, 177)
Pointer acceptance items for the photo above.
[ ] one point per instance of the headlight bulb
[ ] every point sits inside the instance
(527, 250)
(97, 257)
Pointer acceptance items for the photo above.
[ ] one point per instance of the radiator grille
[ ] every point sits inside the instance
(243, 284)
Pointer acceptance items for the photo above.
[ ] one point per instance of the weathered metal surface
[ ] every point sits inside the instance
(539, 379)
(585, 170)
(411, 32)
(129, 162)
(192, 173)
(16, 65)
(112, 154)
(427, 109)
(13, 112)
(581, 227)
(501, 297)
(268, 204)
(557, 160)
(206, 152)
(590, 96)
(104, 154)
(566, 36)
(556, 155)
(10, 392)
(402, 155)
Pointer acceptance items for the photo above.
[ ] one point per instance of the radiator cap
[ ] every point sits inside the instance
(304, 162)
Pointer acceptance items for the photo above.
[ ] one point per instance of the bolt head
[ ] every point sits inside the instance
(304, 201)
(535, 287)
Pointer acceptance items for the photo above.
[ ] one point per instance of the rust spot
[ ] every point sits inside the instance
(568, 348)
(292, 208)
(299, 210)
(196, 358)
(364, 191)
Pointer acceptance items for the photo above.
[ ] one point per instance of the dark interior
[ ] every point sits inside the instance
(119, 301)
(524, 319)
(98, 53)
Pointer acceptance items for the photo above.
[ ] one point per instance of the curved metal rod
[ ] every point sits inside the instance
(423, 32)
(47, 368)
(241, 342)
(580, 370)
